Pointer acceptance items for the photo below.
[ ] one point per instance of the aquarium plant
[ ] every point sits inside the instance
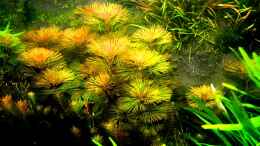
(10, 48)
(129, 72)
(242, 116)
(118, 80)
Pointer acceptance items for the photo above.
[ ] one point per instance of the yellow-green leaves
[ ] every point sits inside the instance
(155, 37)
(99, 84)
(40, 57)
(53, 77)
(77, 39)
(48, 37)
(230, 127)
(109, 47)
(205, 93)
(104, 17)
(148, 92)
(145, 59)
(10, 40)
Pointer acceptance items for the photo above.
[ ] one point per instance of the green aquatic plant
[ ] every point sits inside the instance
(204, 25)
(87, 104)
(10, 40)
(109, 73)
(146, 105)
(117, 68)
(237, 16)
(18, 13)
(238, 124)
(92, 66)
(234, 66)
(99, 84)
(207, 94)
(11, 79)
(231, 127)
(97, 143)
(252, 66)
(10, 46)
(188, 20)
(117, 82)
(102, 82)
(242, 128)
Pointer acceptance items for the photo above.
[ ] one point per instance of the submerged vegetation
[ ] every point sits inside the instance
(132, 72)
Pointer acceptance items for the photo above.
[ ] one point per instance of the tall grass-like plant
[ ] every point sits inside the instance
(239, 123)
(189, 21)
(201, 24)
(252, 66)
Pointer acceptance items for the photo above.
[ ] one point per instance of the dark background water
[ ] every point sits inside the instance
(33, 13)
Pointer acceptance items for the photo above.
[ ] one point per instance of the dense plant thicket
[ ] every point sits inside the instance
(112, 73)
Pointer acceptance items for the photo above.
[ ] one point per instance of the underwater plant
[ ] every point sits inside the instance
(108, 76)
(17, 13)
(155, 37)
(141, 94)
(77, 39)
(53, 77)
(11, 69)
(99, 84)
(10, 45)
(109, 48)
(93, 66)
(206, 93)
(189, 21)
(40, 57)
(6, 102)
(241, 113)
(48, 37)
(242, 129)
(146, 60)
(145, 105)
(120, 69)
(234, 66)
(252, 66)
(10, 40)
(82, 103)
(22, 106)
(104, 17)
